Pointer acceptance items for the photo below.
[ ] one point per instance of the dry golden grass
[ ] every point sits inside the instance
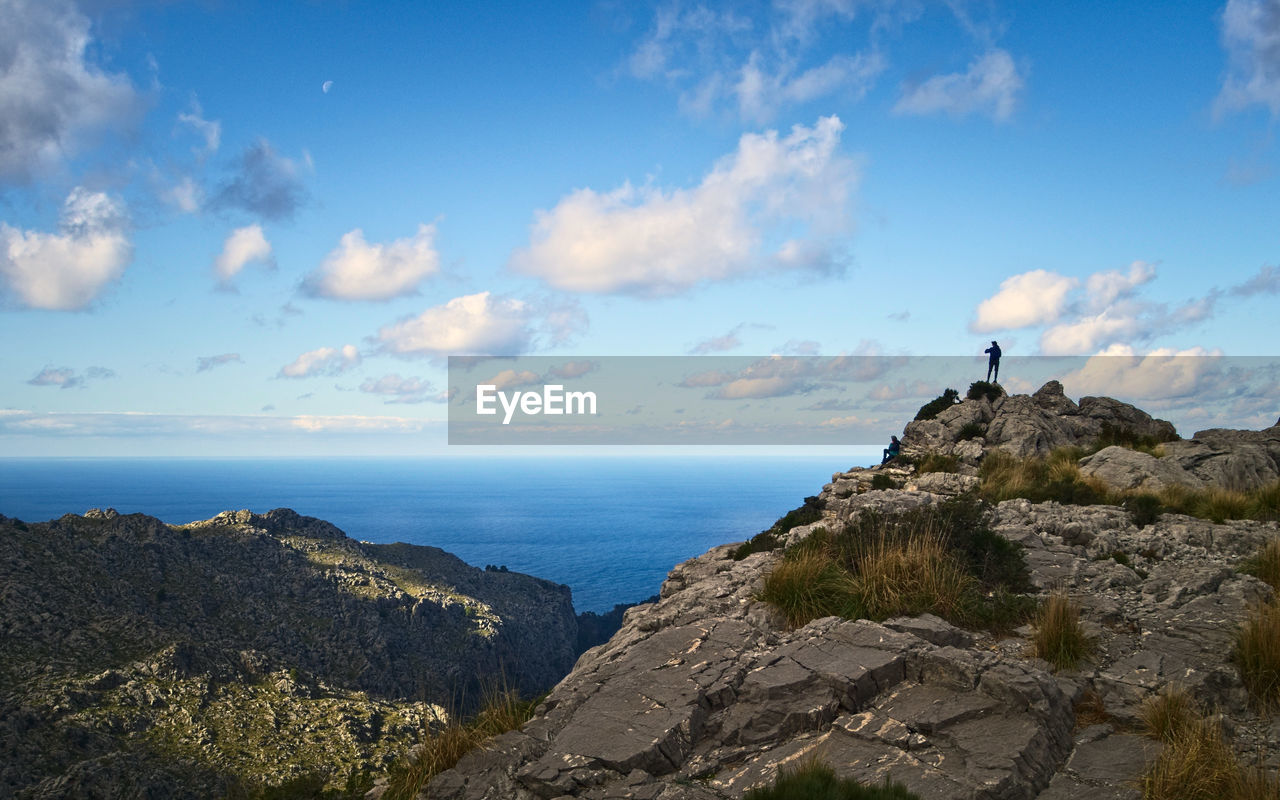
(911, 576)
(1168, 712)
(1266, 564)
(1059, 638)
(1257, 655)
(807, 584)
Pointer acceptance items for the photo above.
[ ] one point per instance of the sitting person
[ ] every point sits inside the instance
(892, 450)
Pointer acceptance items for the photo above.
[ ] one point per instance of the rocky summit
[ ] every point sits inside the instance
(708, 692)
(245, 652)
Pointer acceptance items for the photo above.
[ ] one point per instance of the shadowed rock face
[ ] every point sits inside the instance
(129, 644)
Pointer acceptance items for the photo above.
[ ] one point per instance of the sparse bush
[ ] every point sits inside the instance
(936, 462)
(1144, 509)
(813, 780)
(1111, 434)
(1257, 654)
(1055, 477)
(882, 481)
(441, 748)
(1265, 564)
(807, 585)
(809, 512)
(944, 559)
(971, 430)
(1265, 503)
(1165, 714)
(980, 389)
(1059, 638)
(939, 404)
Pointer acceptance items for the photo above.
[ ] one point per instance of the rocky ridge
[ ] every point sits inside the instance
(248, 650)
(707, 693)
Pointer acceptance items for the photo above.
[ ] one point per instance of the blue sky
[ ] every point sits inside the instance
(261, 228)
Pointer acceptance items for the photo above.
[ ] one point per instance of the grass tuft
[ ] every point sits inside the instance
(936, 462)
(1257, 655)
(807, 585)
(1059, 638)
(1265, 564)
(814, 780)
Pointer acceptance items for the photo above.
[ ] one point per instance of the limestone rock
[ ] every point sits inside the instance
(1125, 469)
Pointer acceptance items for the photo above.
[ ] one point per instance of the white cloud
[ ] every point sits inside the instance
(67, 270)
(209, 130)
(1251, 36)
(990, 85)
(1161, 374)
(186, 195)
(242, 246)
(652, 242)
(1088, 334)
(401, 390)
(322, 361)
(51, 96)
(66, 378)
(476, 324)
(206, 363)
(1105, 288)
(761, 92)
(510, 379)
(1030, 298)
(357, 270)
(128, 424)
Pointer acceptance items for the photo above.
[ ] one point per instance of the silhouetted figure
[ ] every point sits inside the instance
(994, 363)
(892, 450)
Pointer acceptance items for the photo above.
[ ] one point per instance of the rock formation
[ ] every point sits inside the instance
(143, 659)
(707, 693)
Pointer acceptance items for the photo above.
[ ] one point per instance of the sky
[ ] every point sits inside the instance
(238, 228)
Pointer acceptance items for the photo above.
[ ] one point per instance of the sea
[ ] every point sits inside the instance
(610, 528)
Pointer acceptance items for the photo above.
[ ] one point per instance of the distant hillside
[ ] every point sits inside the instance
(143, 659)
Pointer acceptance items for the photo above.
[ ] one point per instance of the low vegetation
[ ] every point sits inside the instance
(1197, 762)
(943, 559)
(447, 741)
(767, 539)
(936, 406)
(981, 389)
(1111, 435)
(1059, 638)
(883, 481)
(936, 462)
(1057, 477)
(1257, 655)
(1265, 564)
(814, 780)
(971, 430)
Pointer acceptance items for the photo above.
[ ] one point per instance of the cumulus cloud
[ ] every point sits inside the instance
(475, 324)
(66, 378)
(322, 361)
(651, 242)
(1251, 37)
(51, 97)
(1031, 298)
(206, 363)
(357, 270)
(264, 183)
(402, 390)
(67, 270)
(511, 378)
(573, 369)
(242, 246)
(990, 85)
(1088, 334)
(1106, 288)
(1160, 374)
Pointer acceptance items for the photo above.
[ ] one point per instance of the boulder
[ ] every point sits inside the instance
(1124, 469)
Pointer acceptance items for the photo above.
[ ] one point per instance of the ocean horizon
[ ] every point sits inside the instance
(609, 527)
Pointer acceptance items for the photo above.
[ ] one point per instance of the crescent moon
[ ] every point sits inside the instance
(326, 86)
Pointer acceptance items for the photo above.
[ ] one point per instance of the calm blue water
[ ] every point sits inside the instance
(610, 528)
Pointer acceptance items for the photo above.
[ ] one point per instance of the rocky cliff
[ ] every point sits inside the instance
(141, 659)
(707, 692)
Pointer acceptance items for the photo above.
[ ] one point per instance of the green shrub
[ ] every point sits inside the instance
(939, 404)
(813, 780)
(936, 462)
(1059, 638)
(981, 389)
(882, 481)
(943, 559)
(808, 513)
(1144, 509)
(1111, 434)
(971, 430)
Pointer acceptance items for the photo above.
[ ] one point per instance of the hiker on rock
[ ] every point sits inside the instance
(892, 451)
(994, 363)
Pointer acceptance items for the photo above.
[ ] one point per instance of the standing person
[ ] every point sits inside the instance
(994, 363)
(892, 451)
